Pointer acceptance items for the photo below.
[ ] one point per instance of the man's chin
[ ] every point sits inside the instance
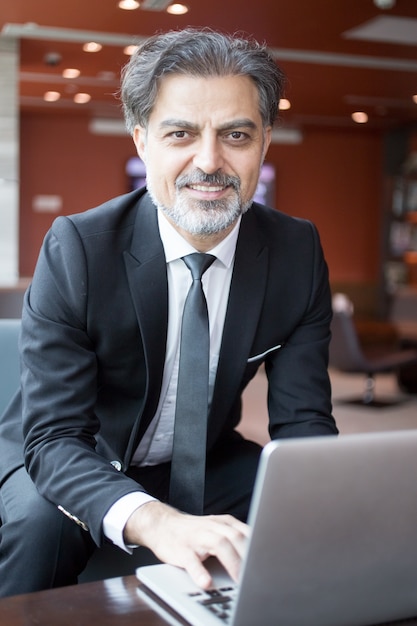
(202, 218)
(204, 228)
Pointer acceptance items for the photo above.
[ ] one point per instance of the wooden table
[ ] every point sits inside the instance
(112, 602)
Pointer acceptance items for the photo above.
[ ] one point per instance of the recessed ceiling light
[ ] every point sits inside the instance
(51, 96)
(284, 104)
(82, 98)
(360, 117)
(129, 50)
(177, 9)
(92, 46)
(128, 5)
(71, 72)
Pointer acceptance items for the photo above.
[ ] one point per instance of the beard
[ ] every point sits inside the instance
(203, 217)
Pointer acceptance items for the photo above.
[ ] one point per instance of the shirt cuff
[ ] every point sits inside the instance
(116, 517)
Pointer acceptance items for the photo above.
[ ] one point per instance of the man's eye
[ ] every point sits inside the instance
(179, 134)
(238, 135)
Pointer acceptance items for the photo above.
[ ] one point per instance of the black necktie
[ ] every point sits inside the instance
(190, 431)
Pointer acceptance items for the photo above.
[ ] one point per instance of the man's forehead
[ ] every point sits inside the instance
(225, 98)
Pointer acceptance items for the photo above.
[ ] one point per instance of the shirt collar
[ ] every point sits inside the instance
(175, 246)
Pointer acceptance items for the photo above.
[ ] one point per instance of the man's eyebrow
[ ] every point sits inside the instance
(232, 125)
(170, 123)
(239, 123)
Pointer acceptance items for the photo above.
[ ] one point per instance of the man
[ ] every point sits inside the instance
(101, 329)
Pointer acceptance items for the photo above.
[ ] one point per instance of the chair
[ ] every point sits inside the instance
(11, 302)
(9, 360)
(108, 561)
(403, 316)
(346, 354)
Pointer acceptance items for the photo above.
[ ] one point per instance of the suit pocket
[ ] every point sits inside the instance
(262, 355)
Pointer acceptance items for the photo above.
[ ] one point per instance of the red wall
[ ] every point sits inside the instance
(59, 156)
(333, 178)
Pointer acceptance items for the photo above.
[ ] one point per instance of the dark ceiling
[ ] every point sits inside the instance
(329, 74)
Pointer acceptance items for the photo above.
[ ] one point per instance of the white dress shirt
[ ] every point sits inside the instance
(156, 445)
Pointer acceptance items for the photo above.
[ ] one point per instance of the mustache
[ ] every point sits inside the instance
(217, 178)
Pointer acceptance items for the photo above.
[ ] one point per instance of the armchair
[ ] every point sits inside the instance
(346, 354)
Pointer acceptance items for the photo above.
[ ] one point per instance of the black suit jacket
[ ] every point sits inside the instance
(93, 347)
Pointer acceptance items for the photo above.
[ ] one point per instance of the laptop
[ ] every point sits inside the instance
(333, 540)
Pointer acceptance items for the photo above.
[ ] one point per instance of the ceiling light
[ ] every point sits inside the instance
(128, 5)
(92, 46)
(284, 104)
(129, 50)
(71, 72)
(82, 98)
(360, 117)
(51, 96)
(177, 9)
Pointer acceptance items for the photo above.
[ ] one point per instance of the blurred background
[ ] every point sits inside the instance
(344, 149)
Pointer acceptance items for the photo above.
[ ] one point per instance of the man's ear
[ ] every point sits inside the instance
(139, 139)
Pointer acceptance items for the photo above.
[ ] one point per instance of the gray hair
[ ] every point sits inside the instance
(200, 53)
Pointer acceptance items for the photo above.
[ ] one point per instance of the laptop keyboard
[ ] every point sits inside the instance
(218, 601)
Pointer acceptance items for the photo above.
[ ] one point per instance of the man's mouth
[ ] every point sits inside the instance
(207, 188)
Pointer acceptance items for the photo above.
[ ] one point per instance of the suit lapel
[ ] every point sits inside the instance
(146, 271)
(245, 303)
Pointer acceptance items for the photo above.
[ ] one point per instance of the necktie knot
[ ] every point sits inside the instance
(198, 263)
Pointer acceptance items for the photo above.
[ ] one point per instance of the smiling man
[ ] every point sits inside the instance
(204, 144)
(124, 428)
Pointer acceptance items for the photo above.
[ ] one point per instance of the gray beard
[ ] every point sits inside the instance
(203, 217)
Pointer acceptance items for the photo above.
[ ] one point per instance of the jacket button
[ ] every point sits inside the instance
(117, 465)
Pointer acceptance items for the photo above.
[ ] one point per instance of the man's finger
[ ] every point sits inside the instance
(196, 570)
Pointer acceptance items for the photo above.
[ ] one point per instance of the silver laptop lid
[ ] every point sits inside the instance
(334, 539)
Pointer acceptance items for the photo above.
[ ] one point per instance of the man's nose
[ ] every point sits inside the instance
(209, 155)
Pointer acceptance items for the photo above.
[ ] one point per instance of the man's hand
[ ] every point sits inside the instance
(187, 540)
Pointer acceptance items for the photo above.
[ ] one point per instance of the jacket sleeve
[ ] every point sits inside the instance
(59, 383)
(299, 392)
